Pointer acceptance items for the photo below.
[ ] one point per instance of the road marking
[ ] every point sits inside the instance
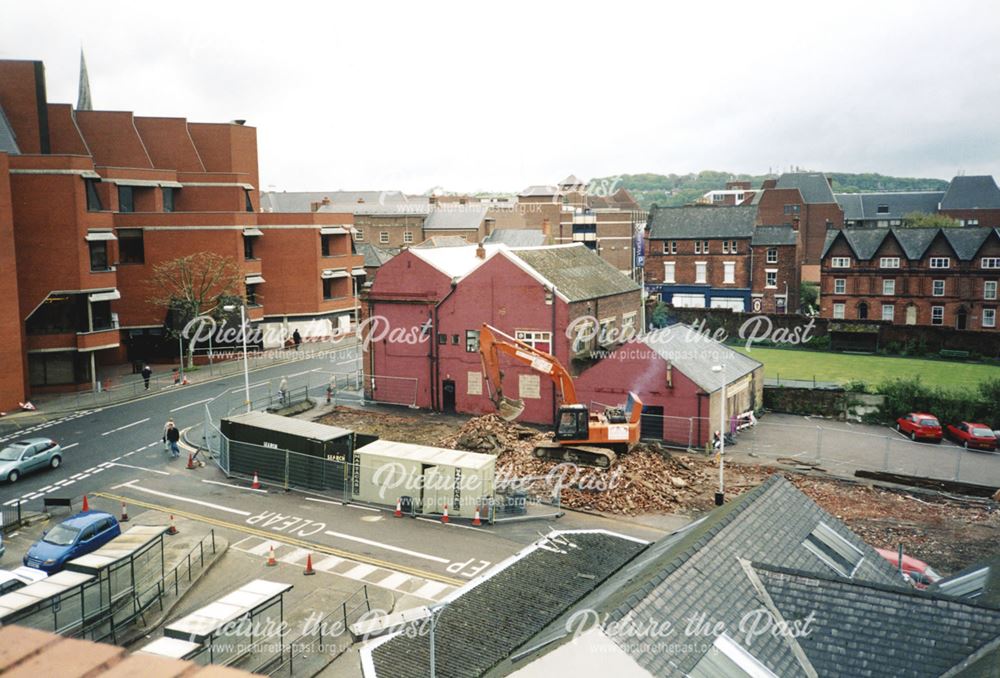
(299, 374)
(388, 547)
(331, 562)
(11, 502)
(34, 496)
(122, 428)
(325, 501)
(199, 402)
(429, 590)
(363, 508)
(69, 447)
(252, 386)
(296, 557)
(286, 539)
(141, 468)
(394, 580)
(260, 549)
(45, 489)
(361, 571)
(175, 497)
(234, 487)
(84, 475)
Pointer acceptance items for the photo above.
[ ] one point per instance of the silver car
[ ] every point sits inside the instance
(30, 454)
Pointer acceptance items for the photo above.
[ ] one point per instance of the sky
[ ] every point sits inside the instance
(497, 96)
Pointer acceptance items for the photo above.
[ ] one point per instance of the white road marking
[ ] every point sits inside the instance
(85, 475)
(141, 468)
(122, 428)
(296, 557)
(394, 580)
(45, 489)
(187, 499)
(234, 487)
(388, 547)
(299, 374)
(199, 402)
(11, 502)
(125, 484)
(363, 508)
(252, 387)
(260, 549)
(69, 447)
(328, 563)
(34, 496)
(325, 501)
(430, 589)
(360, 571)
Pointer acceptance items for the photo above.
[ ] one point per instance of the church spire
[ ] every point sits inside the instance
(83, 102)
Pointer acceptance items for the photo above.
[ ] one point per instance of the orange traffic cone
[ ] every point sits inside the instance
(399, 508)
(444, 518)
(124, 518)
(309, 565)
(256, 482)
(271, 562)
(191, 461)
(172, 530)
(86, 504)
(476, 522)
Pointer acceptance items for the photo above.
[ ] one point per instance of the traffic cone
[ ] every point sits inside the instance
(309, 565)
(124, 518)
(444, 518)
(271, 562)
(256, 482)
(172, 530)
(191, 461)
(399, 508)
(476, 522)
(86, 504)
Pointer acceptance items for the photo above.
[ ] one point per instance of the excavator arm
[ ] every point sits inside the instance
(493, 343)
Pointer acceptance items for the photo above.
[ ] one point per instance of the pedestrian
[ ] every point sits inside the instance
(146, 374)
(716, 441)
(173, 437)
(283, 391)
(166, 427)
(297, 338)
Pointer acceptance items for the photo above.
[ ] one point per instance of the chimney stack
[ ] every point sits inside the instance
(481, 251)
(546, 228)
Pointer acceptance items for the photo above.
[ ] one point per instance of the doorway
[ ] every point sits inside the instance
(862, 311)
(651, 423)
(961, 319)
(911, 315)
(448, 396)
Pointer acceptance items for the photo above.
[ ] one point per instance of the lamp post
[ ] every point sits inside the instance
(246, 365)
(180, 343)
(721, 494)
(434, 610)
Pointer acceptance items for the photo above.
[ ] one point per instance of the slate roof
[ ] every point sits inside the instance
(864, 206)
(456, 218)
(302, 201)
(375, 256)
(693, 354)
(577, 272)
(985, 589)
(485, 624)
(812, 185)
(571, 180)
(8, 142)
(868, 630)
(444, 241)
(865, 241)
(539, 191)
(773, 236)
(975, 192)
(517, 237)
(688, 223)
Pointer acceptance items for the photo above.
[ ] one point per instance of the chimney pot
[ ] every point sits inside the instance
(481, 251)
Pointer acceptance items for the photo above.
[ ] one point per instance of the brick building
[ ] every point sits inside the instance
(438, 298)
(913, 276)
(719, 257)
(99, 198)
(973, 201)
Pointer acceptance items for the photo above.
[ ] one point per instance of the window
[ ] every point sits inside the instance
(670, 247)
(606, 331)
(882, 209)
(472, 341)
(970, 222)
(990, 289)
(940, 262)
(540, 341)
(248, 247)
(895, 222)
(792, 209)
(732, 247)
(628, 324)
(324, 245)
(725, 247)
(938, 288)
(328, 288)
(168, 199)
(772, 255)
(771, 277)
(840, 262)
(93, 199)
(889, 262)
(701, 272)
(126, 199)
(888, 312)
(249, 202)
(840, 286)
(673, 247)
(359, 235)
(669, 271)
(442, 339)
(383, 237)
(130, 248)
(252, 295)
(989, 317)
(937, 315)
(697, 247)
(727, 659)
(729, 272)
(704, 247)
(408, 236)
(991, 262)
(888, 287)
(862, 311)
(99, 255)
(834, 550)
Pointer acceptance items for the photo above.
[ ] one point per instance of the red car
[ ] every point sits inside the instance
(920, 425)
(916, 571)
(973, 436)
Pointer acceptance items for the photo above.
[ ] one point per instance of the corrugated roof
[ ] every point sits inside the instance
(577, 273)
(684, 223)
(975, 192)
(8, 141)
(774, 236)
(693, 354)
(517, 237)
(451, 217)
(865, 206)
(812, 185)
(298, 427)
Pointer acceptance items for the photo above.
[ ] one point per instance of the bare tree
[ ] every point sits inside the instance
(195, 285)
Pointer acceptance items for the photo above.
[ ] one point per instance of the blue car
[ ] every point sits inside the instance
(74, 537)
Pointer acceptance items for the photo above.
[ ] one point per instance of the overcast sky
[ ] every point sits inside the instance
(496, 96)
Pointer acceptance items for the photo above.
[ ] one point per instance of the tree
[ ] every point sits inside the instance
(923, 220)
(808, 297)
(196, 285)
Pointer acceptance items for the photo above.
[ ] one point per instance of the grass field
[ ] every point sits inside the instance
(871, 369)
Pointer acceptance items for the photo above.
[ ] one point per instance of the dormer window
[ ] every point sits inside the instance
(882, 209)
(829, 546)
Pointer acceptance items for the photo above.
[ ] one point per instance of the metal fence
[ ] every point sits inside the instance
(10, 517)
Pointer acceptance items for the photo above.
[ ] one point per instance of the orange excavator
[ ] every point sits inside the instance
(581, 436)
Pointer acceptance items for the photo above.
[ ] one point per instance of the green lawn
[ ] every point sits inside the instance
(872, 369)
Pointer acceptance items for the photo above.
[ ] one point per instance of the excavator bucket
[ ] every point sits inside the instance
(510, 409)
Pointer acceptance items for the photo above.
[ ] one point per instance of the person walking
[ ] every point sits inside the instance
(146, 374)
(283, 391)
(173, 438)
(166, 427)
(297, 338)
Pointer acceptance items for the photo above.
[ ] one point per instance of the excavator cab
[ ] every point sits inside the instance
(574, 422)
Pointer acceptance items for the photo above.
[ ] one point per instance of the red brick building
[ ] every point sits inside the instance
(101, 197)
(913, 276)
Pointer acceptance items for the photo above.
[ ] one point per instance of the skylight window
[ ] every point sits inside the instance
(968, 585)
(726, 659)
(842, 556)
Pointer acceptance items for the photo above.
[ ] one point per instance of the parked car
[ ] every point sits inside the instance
(917, 572)
(920, 425)
(3, 549)
(28, 455)
(973, 436)
(12, 580)
(74, 537)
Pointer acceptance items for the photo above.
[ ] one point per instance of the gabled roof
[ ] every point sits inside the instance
(966, 241)
(375, 256)
(571, 180)
(685, 223)
(865, 206)
(772, 236)
(538, 191)
(694, 355)
(865, 242)
(8, 142)
(517, 237)
(576, 272)
(967, 193)
(622, 198)
(456, 217)
(454, 262)
(444, 241)
(812, 185)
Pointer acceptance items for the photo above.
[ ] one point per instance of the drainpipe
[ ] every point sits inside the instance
(435, 351)
(552, 291)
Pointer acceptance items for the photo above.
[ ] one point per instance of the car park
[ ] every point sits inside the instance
(917, 572)
(920, 426)
(973, 436)
(12, 580)
(27, 456)
(74, 537)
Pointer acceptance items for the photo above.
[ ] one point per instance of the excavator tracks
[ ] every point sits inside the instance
(584, 455)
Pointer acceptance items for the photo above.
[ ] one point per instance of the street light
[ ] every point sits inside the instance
(243, 330)
(434, 610)
(721, 494)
